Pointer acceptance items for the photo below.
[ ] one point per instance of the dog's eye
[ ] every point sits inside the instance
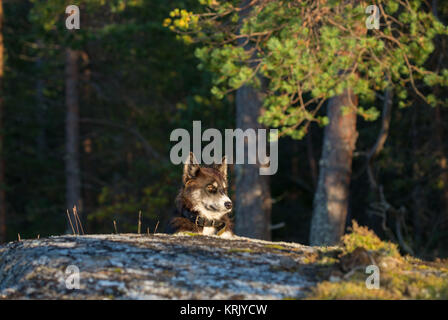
(211, 188)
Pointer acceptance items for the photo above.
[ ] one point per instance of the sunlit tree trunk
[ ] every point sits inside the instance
(335, 167)
(72, 170)
(253, 196)
(2, 161)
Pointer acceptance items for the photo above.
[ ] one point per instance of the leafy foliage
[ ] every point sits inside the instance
(399, 278)
(135, 78)
(362, 237)
(311, 51)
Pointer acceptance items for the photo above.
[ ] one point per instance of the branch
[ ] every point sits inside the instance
(150, 152)
(380, 140)
(382, 136)
(381, 209)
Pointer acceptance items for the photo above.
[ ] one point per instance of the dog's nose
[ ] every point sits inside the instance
(228, 205)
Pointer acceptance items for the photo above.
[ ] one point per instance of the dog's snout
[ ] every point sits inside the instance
(228, 205)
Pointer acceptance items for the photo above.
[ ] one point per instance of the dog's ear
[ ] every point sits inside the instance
(222, 167)
(191, 168)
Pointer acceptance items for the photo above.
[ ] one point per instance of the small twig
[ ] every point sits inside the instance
(351, 272)
(155, 229)
(301, 183)
(380, 140)
(115, 227)
(277, 226)
(76, 223)
(68, 215)
(150, 151)
(381, 208)
(400, 217)
(147, 231)
(38, 236)
(77, 217)
(18, 236)
(139, 222)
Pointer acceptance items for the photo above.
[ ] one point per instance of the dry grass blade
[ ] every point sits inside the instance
(115, 227)
(68, 215)
(139, 227)
(76, 223)
(155, 229)
(75, 212)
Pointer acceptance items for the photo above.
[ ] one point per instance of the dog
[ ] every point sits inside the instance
(203, 205)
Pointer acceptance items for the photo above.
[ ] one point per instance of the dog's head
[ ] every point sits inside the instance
(205, 188)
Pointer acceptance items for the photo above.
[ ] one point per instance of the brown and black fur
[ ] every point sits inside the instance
(204, 194)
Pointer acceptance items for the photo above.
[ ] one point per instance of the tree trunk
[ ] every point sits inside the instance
(418, 196)
(2, 161)
(443, 161)
(439, 128)
(311, 159)
(253, 200)
(253, 194)
(72, 172)
(332, 194)
(87, 156)
(41, 109)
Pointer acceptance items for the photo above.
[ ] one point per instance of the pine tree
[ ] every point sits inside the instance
(313, 51)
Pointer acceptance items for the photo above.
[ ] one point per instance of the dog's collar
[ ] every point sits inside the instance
(201, 221)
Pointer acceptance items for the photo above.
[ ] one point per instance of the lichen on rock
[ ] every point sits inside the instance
(130, 266)
(184, 266)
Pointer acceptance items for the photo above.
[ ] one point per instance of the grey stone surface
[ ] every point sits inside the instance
(160, 266)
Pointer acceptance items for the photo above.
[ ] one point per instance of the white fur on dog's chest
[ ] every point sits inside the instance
(208, 231)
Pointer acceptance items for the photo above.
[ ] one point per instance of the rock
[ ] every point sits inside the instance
(160, 266)
(360, 257)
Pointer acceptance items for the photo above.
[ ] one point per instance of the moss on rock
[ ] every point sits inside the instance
(400, 277)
